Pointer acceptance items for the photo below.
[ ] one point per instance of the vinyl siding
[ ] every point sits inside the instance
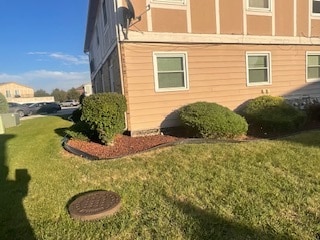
(217, 73)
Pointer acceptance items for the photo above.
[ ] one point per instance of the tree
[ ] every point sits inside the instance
(41, 93)
(59, 95)
(73, 94)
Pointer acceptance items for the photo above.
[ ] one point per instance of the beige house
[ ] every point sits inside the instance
(163, 54)
(15, 90)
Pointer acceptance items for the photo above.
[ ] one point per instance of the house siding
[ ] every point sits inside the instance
(284, 18)
(259, 25)
(217, 73)
(203, 18)
(169, 20)
(231, 16)
(215, 35)
(302, 18)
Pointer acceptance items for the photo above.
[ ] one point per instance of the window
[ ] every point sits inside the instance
(170, 71)
(16, 93)
(259, 5)
(258, 69)
(104, 9)
(316, 6)
(313, 67)
(8, 93)
(179, 2)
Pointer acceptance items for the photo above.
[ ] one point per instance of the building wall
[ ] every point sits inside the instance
(217, 73)
(108, 78)
(13, 89)
(290, 18)
(104, 36)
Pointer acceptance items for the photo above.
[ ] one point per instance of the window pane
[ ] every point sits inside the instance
(259, 3)
(169, 80)
(258, 76)
(313, 60)
(313, 72)
(170, 64)
(316, 6)
(258, 61)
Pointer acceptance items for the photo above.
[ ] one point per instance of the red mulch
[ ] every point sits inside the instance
(123, 145)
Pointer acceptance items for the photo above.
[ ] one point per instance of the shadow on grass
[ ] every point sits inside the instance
(61, 131)
(14, 223)
(208, 225)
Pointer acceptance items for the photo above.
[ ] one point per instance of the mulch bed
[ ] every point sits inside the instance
(125, 145)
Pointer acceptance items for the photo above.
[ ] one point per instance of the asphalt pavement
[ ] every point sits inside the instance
(63, 111)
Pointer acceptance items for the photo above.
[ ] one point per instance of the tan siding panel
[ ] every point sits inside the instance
(315, 28)
(259, 25)
(217, 73)
(140, 7)
(169, 20)
(203, 18)
(284, 18)
(302, 18)
(231, 17)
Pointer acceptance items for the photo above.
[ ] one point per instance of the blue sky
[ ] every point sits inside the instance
(41, 43)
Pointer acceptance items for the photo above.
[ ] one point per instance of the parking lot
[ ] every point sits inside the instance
(63, 111)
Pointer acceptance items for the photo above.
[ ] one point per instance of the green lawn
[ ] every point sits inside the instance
(253, 190)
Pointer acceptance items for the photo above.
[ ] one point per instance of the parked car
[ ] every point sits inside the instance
(69, 103)
(45, 107)
(21, 109)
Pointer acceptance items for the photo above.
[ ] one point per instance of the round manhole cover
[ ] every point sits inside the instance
(94, 205)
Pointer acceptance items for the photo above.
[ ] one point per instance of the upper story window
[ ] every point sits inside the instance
(8, 93)
(313, 66)
(104, 9)
(16, 93)
(170, 71)
(316, 6)
(259, 5)
(258, 69)
(178, 2)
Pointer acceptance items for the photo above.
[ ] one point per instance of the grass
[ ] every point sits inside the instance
(253, 190)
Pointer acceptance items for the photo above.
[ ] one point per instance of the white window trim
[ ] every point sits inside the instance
(168, 2)
(184, 55)
(264, 10)
(310, 53)
(268, 54)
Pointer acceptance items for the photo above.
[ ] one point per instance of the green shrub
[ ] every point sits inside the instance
(210, 120)
(82, 131)
(313, 112)
(104, 112)
(274, 114)
(3, 104)
(76, 115)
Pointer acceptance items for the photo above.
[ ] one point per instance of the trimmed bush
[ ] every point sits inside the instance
(82, 131)
(76, 115)
(313, 112)
(104, 112)
(210, 120)
(274, 114)
(3, 104)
